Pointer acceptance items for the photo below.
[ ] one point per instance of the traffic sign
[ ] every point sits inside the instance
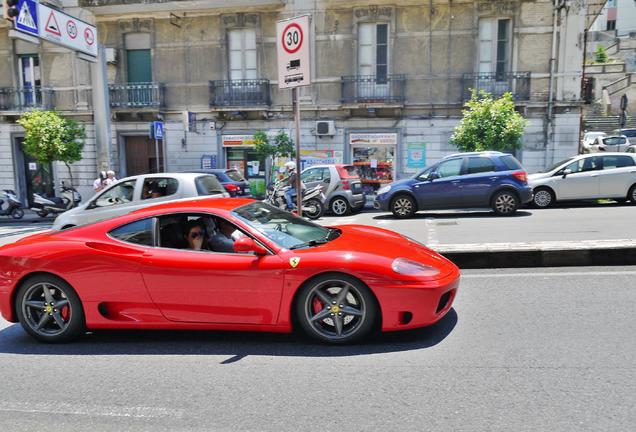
(157, 129)
(27, 19)
(62, 29)
(293, 48)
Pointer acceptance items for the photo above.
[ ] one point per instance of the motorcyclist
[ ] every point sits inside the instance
(291, 182)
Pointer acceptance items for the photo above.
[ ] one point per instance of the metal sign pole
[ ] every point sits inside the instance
(157, 153)
(299, 191)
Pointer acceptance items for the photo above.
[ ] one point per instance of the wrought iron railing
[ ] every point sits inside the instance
(240, 93)
(373, 89)
(23, 98)
(517, 83)
(136, 95)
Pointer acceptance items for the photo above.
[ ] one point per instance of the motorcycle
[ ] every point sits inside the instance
(312, 204)
(10, 205)
(44, 204)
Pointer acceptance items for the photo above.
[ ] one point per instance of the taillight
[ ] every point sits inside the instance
(346, 185)
(521, 176)
(231, 188)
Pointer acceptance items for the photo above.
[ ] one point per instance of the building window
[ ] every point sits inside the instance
(30, 81)
(242, 46)
(373, 50)
(611, 25)
(494, 47)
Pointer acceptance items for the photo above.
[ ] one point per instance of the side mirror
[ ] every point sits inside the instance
(247, 245)
(433, 176)
(566, 172)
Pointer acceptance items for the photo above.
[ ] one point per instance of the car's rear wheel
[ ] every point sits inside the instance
(543, 197)
(403, 206)
(314, 208)
(339, 206)
(505, 203)
(336, 308)
(49, 309)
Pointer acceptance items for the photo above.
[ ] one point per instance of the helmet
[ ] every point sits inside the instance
(290, 165)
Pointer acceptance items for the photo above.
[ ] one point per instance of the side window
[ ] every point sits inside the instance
(312, 175)
(198, 232)
(479, 165)
(326, 175)
(119, 194)
(424, 175)
(159, 187)
(450, 168)
(138, 232)
(575, 167)
(208, 185)
(611, 162)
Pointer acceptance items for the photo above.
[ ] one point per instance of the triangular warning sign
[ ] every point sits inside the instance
(24, 17)
(51, 25)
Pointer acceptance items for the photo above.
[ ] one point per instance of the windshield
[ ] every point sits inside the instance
(208, 185)
(556, 165)
(284, 229)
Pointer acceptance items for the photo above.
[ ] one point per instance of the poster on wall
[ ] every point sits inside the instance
(372, 139)
(416, 156)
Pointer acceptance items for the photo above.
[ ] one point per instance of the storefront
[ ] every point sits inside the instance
(238, 153)
(374, 154)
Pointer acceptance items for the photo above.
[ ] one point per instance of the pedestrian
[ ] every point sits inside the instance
(99, 184)
(110, 178)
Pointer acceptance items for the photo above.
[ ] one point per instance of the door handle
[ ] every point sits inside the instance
(594, 175)
(493, 178)
(455, 181)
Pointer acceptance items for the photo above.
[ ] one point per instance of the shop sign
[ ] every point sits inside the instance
(237, 140)
(416, 154)
(371, 139)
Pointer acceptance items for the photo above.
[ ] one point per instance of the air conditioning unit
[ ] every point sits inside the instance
(111, 55)
(325, 127)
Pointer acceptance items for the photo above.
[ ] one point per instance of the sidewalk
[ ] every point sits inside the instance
(29, 217)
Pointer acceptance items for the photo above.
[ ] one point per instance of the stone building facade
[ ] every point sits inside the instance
(389, 82)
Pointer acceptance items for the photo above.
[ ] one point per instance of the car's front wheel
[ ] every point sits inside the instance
(340, 206)
(631, 196)
(49, 309)
(403, 206)
(505, 203)
(336, 308)
(543, 197)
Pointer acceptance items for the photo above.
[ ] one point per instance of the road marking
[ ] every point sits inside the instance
(431, 235)
(538, 274)
(19, 230)
(90, 410)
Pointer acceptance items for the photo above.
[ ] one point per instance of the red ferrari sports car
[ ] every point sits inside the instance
(227, 264)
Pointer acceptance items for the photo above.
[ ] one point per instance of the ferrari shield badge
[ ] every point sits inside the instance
(294, 262)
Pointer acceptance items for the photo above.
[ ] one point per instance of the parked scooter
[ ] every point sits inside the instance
(312, 203)
(44, 204)
(10, 205)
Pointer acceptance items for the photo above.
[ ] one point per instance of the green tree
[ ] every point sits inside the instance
(489, 124)
(600, 55)
(280, 145)
(50, 137)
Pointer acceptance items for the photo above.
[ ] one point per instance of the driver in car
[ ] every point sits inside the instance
(223, 240)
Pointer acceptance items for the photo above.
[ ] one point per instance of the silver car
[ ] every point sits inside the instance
(612, 143)
(590, 176)
(132, 193)
(341, 185)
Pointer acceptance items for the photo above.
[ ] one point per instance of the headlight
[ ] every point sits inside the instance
(411, 268)
(383, 190)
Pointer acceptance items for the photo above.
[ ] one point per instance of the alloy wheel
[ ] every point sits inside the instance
(46, 309)
(542, 198)
(403, 206)
(339, 207)
(505, 203)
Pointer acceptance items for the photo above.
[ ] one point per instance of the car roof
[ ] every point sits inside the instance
(197, 203)
(178, 176)
(481, 153)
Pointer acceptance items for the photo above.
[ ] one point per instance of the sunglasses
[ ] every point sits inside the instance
(196, 234)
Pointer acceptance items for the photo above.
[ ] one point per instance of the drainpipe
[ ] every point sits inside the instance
(558, 4)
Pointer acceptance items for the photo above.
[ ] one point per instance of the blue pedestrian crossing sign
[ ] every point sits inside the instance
(27, 19)
(157, 130)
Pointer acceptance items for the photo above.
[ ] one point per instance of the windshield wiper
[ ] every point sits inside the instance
(309, 244)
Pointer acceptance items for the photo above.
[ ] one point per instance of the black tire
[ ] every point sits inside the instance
(543, 197)
(403, 206)
(356, 210)
(313, 302)
(631, 196)
(340, 206)
(505, 203)
(42, 213)
(17, 213)
(32, 315)
(319, 209)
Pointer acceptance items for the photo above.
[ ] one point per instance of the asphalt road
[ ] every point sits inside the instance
(522, 350)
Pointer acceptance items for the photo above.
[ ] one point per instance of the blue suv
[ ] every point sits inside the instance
(465, 180)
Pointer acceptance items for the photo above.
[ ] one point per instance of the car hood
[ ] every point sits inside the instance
(403, 182)
(363, 239)
(538, 176)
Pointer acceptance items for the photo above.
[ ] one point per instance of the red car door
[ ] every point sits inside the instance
(210, 287)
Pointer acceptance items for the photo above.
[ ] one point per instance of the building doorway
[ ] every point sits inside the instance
(31, 175)
(141, 156)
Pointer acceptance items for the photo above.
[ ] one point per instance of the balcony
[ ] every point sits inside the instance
(371, 89)
(240, 93)
(25, 98)
(517, 83)
(136, 95)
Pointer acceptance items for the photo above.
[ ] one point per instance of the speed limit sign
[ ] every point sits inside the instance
(294, 69)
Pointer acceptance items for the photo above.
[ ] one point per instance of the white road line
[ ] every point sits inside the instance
(540, 275)
(431, 235)
(90, 410)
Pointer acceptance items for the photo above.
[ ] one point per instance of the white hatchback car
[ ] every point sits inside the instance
(132, 193)
(589, 176)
